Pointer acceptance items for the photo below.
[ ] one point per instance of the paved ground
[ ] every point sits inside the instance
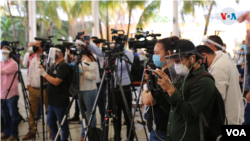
(75, 129)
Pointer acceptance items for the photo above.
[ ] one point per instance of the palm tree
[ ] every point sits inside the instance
(148, 13)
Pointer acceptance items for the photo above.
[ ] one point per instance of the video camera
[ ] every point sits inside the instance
(14, 47)
(135, 43)
(45, 43)
(74, 50)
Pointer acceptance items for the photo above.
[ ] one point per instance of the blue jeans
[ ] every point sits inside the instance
(56, 114)
(102, 102)
(89, 100)
(157, 135)
(11, 115)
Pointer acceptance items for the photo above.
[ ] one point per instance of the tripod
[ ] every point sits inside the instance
(111, 98)
(25, 96)
(81, 102)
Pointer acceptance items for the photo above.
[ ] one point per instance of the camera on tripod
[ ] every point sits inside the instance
(46, 44)
(141, 41)
(14, 47)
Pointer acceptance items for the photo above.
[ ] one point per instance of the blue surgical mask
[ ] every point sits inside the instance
(157, 61)
(124, 48)
(4, 58)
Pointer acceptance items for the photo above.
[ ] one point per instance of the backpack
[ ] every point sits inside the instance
(136, 70)
(214, 129)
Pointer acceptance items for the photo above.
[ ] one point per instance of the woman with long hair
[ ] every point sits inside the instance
(88, 88)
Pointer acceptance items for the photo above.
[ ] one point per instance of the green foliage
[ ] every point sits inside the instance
(149, 12)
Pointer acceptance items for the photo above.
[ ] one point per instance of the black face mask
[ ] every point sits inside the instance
(35, 49)
(56, 57)
(205, 65)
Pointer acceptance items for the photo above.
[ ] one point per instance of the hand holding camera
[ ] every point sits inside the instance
(165, 82)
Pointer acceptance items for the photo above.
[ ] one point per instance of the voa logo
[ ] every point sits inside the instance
(228, 16)
(236, 132)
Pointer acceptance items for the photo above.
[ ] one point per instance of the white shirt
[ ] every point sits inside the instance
(226, 77)
(33, 78)
(89, 77)
(220, 51)
(26, 59)
(141, 55)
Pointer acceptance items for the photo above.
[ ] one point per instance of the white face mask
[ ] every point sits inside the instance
(181, 69)
(30, 49)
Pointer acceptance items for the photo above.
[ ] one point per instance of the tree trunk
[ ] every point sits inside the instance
(50, 27)
(100, 26)
(129, 18)
(42, 29)
(27, 24)
(208, 16)
(18, 10)
(107, 24)
(12, 22)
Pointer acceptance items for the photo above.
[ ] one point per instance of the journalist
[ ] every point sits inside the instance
(57, 90)
(102, 97)
(183, 122)
(157, 117)
(9, 111)
(33, 86)
(226, 77)
(125, 82)
(88, 88)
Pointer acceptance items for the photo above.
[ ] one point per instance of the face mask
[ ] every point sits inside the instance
(157, 61)
(181, 69)
(35, 49)
(56, 57)
(205, 65)
(30, 49)
(4, 58)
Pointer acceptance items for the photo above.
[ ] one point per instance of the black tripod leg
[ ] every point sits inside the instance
(65, 117)
(136, 105)
(28, 105)
(125, 101)
(95, 104)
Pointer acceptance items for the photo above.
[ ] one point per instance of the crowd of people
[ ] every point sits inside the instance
(189, 78)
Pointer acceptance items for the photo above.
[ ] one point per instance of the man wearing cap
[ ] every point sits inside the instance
(9, 112)
(186, 106)
(33, 86)
(226, 77)
(57, 90)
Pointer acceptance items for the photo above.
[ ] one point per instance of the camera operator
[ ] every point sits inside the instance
(33, 86)
(125, 82)
(57, 90)
(13, 55)
(102, 98)
(183, 123)
(155, 115)
(9, 111)
(87, 83)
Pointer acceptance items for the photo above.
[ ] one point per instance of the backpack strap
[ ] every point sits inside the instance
(202, 118)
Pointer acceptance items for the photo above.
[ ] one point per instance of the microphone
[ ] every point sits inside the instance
(86, 63)
(61, 40)
(39, 39)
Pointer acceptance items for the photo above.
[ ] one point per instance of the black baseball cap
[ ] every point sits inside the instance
(98, 41)
(185, 47)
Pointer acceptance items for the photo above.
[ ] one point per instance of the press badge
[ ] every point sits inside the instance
(54, 72)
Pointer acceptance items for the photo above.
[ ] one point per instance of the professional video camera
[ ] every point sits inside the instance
(45, 43)
(141, 41)
(14, 47)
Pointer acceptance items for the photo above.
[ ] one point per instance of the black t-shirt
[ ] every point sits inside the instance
(161, 118)
(58, 96)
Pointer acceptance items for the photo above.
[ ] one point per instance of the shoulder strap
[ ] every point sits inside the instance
(197, 78)
(202, 118)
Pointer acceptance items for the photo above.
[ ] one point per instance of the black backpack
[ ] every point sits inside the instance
(214, 129)
(136, 70)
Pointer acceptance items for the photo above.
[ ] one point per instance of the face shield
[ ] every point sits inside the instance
(53, 55)
(240, 58)
(207, 42)
(4, 55)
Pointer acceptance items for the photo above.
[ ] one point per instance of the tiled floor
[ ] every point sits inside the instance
(75, 129)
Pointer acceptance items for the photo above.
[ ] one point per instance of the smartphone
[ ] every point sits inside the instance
(86, 38)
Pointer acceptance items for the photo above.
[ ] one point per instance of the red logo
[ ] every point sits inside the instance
(223, 16)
